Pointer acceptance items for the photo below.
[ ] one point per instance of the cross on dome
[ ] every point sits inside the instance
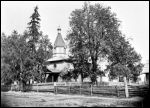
(59, 29)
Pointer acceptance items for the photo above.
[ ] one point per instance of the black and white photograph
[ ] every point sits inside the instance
(74, 53)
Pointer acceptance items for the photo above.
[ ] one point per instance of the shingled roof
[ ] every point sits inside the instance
(59, 42)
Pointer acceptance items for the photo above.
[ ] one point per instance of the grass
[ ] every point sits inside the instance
(35, 99)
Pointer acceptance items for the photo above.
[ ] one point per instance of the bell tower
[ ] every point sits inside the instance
(59, 45)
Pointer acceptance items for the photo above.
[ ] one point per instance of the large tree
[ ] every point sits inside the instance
(14, 56)
(23, 55)
(17, 62)
(95, 34)
(34, 26)
(6, 75)
(40, 46)
(123, 60)
(90, 27)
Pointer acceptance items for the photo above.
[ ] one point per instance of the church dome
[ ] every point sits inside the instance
(59, 42)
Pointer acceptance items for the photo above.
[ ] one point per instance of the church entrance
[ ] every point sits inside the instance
(53, 77)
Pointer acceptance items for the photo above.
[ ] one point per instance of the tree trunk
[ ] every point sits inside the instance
(75, 79)
(81, 78)
(21, 73)
(94, 68)
(101, 79)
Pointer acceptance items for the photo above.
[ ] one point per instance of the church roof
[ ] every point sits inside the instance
(58, 58)
(59, 42)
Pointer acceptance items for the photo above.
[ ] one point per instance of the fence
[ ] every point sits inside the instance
(84, 89)
(5, 87)
(138, 90)
(74, 88)
(41, 87)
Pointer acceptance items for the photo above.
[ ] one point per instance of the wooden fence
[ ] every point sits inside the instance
(41, 87)
(74, 88)
(5, 88)
(85, 89)
(138, 90)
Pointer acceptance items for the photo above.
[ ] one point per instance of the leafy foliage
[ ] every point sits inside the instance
(34, 26)
(95, 34)
(15, 51)
(23, 55)
(40, 47)
(124, 57)
(90, 28)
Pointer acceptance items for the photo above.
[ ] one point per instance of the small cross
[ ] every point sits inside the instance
(59, 29)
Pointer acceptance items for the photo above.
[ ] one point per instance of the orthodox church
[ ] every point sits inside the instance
(59, 62)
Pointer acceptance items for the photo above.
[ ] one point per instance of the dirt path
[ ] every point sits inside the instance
(34, 99)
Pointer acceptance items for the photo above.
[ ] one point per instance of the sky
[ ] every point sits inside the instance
(134, 17)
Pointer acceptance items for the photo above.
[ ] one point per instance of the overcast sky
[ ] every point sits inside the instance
(134, 16)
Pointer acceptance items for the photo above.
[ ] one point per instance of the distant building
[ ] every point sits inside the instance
(145, 73)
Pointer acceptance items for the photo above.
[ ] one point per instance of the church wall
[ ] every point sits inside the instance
(58, 54)
(59, 50)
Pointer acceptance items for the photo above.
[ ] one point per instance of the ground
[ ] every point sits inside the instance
(39, 99)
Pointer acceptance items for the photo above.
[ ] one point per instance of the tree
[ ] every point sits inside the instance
(23, 55)
(15, 52)
(34, 26)
(6, 75)
(44, 52)
(91, 26)
(40, 46)
(123, 60)
(33, 37)
(16, 59)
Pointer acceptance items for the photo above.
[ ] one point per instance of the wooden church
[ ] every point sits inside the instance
(59, 62)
